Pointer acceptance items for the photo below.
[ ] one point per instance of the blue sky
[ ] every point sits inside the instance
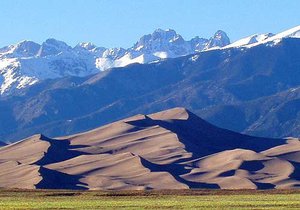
(119, 23)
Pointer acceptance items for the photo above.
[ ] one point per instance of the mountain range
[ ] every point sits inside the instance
(250, 86)
(27, 62)
(172, 149)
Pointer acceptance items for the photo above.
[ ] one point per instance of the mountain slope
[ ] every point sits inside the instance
(277, 114)
(173, 149)
(27, 62)
(258, 87)
(266, 39)
(247, 41)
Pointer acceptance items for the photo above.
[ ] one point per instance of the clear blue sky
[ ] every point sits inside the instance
(114, 23)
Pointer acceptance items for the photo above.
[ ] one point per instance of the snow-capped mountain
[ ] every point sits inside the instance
(220, 39)
(27, 62)
(256, 38)
(268, 39)
(251, 87)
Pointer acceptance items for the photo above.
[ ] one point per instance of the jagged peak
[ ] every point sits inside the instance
(220, 32)
(160, 33)
(196, 38)
(56, 43)
(114, 52)
(158, 39)
(25, 41)
(52, 47)
(24, 48)
(86, 45)
(220, 39)
(221, 35)
(159, 30)
(164, 34)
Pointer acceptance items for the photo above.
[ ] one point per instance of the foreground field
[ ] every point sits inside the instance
(150, 200)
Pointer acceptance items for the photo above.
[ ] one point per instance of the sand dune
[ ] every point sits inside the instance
(173, 149)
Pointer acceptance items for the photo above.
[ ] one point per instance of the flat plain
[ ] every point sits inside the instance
(174, 199)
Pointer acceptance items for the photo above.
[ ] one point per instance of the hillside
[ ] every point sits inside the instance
(249, 90)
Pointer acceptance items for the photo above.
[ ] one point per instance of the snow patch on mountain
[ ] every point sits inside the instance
(256, 38)
(268, 39)
(27, 62)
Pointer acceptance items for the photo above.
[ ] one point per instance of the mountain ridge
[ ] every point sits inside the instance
(256, 86)
(27, 62)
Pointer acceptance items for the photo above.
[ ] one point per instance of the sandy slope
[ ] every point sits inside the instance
(173, 149)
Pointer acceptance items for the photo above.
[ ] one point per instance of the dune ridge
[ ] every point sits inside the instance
(172, 149)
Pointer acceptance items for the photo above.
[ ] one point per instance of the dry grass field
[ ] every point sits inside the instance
(175, 199)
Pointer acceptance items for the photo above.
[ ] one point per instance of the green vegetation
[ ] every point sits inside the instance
(149, 200)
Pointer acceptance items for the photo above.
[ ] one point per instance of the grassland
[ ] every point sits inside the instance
(200, 199)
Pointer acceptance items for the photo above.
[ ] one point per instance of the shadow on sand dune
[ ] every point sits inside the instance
(201, 138)
(59, 150)
(133, 154)
(58, 180)
(176, 170)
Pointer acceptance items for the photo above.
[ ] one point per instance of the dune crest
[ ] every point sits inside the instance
(172, 149)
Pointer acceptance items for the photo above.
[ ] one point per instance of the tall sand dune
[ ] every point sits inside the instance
(172, 149)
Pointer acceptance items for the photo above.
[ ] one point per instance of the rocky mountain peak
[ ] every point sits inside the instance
(220, 39)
